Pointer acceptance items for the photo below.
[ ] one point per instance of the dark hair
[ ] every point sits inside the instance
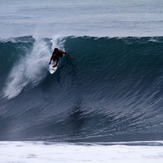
(55, 49)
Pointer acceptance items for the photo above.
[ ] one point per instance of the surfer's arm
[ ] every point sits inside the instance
(66, 53)
(69, 55)
(50, 60)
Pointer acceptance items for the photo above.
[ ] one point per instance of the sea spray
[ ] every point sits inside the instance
(30, 69)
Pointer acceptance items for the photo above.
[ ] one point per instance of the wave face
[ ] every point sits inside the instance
(111, 91)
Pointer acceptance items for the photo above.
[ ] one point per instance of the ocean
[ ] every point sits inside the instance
(107, 100)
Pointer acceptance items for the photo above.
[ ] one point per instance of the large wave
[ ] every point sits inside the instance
(113, 87)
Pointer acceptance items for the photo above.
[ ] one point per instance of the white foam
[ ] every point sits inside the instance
(58, 42)
(38, 152)
(29, 70)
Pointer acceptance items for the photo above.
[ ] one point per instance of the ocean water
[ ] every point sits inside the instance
(87, 17)
(110, 92)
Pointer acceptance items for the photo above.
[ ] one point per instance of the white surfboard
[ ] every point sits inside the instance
(52, 69)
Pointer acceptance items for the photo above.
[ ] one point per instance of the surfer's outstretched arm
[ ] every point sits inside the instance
(66, 53)
(69, 55)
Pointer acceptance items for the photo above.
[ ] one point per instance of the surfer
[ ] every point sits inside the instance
(57, 53)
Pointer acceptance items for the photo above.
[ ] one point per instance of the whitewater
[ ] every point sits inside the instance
(103, 106)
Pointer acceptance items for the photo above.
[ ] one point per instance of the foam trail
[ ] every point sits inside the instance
(29, 70)
(58, 42)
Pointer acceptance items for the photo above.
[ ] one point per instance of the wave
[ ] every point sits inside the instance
(113, 87)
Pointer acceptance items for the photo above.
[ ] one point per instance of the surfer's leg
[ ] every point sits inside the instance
(56, 62)
(54, 59)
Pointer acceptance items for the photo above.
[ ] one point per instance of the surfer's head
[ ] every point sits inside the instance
(55, 49)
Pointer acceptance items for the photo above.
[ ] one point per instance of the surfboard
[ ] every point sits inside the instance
(52, 69)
